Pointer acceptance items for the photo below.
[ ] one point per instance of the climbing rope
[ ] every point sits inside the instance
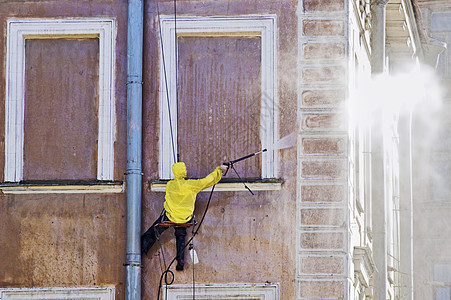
(176, 157)
(166, 79)
(157, 234)
(193, 257)
(176, 64)
(167, 270)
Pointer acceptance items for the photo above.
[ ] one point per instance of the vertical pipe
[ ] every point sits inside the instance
(379, 205)
(378, 36)
(134, 137)
(406, 205)
(379, 209)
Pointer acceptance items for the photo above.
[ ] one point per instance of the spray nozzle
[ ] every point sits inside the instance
(230, 163)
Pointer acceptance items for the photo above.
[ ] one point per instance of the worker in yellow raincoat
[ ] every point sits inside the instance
(179, 207)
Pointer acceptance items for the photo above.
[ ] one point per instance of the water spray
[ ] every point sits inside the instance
(286, 142)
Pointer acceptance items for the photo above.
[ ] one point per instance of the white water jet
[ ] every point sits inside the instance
(285, 142)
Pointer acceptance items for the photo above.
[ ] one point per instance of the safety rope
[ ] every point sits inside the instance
(159, 260)
(176, 67)
(157, 234)
(193, 257)
(166, 81)
(175, 153)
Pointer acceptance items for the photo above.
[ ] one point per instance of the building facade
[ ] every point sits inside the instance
(330, 213)
(431, 229)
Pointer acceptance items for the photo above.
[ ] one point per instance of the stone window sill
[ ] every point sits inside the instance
(62, 187)
(230, 185)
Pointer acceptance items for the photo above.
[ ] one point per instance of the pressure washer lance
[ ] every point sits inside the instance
(230, 163)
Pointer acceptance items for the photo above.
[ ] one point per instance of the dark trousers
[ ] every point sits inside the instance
(150, 237)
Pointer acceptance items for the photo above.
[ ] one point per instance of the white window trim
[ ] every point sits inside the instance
(58, 293)
(19, 30)
(262, 26)
(230, 291)
(93, 188)
(229, 186)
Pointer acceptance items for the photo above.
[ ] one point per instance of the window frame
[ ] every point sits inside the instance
(268, 291)
(100, 293)
(18, 31)
(264, 27)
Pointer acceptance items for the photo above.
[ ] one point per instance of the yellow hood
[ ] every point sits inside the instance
(179, 170)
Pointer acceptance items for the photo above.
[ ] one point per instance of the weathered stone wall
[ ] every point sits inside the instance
(244, 238)
(322, 203)
(65, 240)
(295, 237)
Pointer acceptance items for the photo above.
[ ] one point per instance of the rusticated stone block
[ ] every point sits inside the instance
(322, 240)
(315, 27)
(312, 98)
(322, 289)
(322, 193)
(323, 5)
(322, 217)
(323, 145)
(322, 169)
(323, 50)
(322, 122)
(330, 265)
(329, 74)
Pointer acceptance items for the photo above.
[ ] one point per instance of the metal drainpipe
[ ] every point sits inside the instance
(379, 206)
(378, 36)
(406, 204)
(134, 148)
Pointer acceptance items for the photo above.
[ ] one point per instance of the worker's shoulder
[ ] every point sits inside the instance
(183, 182)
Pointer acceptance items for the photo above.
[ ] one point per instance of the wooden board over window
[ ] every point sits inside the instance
(224, 63)
(61, 109)
(219, 92)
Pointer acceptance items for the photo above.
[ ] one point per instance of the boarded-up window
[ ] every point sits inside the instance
(61, 105)
(219, 92)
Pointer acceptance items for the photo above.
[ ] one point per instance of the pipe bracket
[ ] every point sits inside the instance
(132, 82)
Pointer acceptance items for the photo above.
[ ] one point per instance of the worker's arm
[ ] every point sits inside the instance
(210, 179)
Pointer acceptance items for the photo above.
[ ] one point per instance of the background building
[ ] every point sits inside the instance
(432, 267)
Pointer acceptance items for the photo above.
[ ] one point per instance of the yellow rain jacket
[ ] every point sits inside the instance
(181, 193)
